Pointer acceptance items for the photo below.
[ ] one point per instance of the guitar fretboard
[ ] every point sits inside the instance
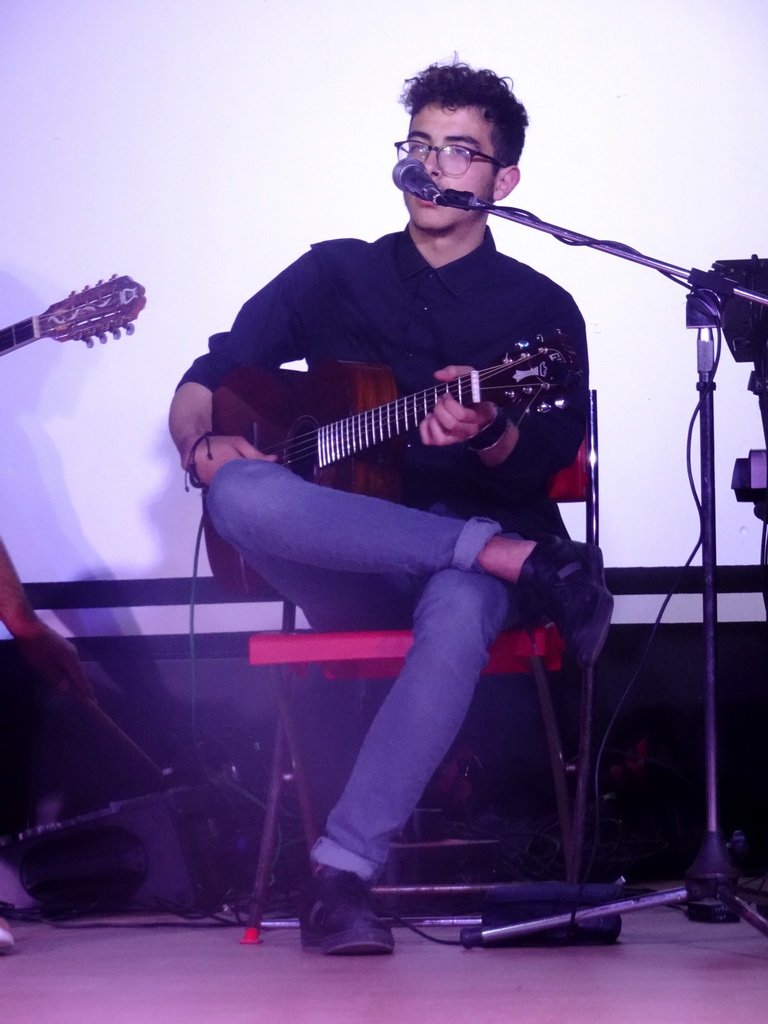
(366, 429)
(18, 334)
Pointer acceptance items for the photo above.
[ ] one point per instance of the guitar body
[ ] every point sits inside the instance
(270, 408)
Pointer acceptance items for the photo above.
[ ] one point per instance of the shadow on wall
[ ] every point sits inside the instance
(40, 382)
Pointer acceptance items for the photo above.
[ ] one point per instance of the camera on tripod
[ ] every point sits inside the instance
(745, 325)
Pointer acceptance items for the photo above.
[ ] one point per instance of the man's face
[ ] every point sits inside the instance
(465, 126)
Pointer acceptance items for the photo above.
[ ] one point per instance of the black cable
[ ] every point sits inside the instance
(422, 934)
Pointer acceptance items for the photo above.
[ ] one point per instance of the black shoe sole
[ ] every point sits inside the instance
(356, 942)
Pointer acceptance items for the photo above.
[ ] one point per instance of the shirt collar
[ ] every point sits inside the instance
(456, 276)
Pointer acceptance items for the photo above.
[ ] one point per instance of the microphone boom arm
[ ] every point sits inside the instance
(705, 279)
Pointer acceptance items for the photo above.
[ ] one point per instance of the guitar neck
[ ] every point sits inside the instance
(19, 334)
(367, 429)
(536, 379)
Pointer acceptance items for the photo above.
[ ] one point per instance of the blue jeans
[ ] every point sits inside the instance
(354, 562)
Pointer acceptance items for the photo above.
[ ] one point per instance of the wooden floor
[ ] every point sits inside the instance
(664, 969)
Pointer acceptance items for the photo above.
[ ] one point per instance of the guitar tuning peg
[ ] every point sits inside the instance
(116, 333)
(544, 407)
(102, 339)
(100, 281)
(129, 328)
(113, 278)
(88, 341)
(561, 403)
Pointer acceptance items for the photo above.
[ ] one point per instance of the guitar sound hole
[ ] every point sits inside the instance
(301, 447)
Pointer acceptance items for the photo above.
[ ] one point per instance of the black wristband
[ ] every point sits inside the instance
(191, 474)
(490, 435)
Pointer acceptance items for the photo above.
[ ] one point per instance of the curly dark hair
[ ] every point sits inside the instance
(458, 85)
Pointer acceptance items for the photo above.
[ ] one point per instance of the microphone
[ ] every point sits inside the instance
(410, 175)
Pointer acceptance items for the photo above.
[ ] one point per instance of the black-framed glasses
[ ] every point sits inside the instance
(452, 160)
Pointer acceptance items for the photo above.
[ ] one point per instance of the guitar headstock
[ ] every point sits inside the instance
(537, 375)
(108, 308)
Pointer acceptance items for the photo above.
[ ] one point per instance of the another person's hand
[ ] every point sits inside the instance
(55, 659)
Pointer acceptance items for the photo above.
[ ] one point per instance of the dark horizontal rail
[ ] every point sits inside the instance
(137, 593)
(730, 579)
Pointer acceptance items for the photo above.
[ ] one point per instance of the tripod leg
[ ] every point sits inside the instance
(743, 909)
(487, 936)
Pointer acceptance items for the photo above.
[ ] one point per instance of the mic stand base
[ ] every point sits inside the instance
(711, 876)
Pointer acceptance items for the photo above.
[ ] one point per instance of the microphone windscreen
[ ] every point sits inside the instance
(410, 175)
(404, 170)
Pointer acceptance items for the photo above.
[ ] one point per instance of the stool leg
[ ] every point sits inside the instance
(583, 771)
(268, 838)
(286, 765)
(298, 774)
(557, 762)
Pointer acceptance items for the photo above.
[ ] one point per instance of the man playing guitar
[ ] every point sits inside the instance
(474, 543)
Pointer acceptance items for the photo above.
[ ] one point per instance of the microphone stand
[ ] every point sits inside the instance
(712, 874)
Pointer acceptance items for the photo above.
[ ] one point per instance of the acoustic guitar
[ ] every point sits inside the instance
(342, 424)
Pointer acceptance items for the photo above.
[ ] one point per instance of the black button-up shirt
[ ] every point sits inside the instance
(381, 303)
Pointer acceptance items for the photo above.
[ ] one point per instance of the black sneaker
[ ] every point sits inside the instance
(338, 916)
(564, 582)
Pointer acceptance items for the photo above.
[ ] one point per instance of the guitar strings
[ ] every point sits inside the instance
(391, 417)
(348, 433)
(388, 417)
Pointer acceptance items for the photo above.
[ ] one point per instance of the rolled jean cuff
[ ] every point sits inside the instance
(474, 536)
(327, 852)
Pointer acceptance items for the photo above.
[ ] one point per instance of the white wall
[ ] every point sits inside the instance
(201, 146)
